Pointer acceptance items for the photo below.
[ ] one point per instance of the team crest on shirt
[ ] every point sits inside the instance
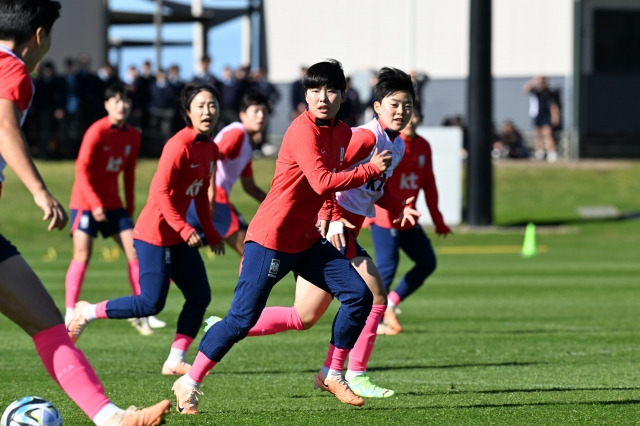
(273, 268)
(421, 161)
(127, 150)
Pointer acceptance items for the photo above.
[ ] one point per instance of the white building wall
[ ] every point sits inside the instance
(529, 36)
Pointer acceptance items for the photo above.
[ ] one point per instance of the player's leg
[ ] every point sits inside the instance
(261, 269)
(232, 225)
(415, 243)
(83, 231)
(310, 304)
(189, 275)
(25, 301)
(387, 248)
(549, 143)
(359, 357)
(329, 269)
(236, 241)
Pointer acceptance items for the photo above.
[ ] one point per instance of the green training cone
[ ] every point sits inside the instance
(529, 245)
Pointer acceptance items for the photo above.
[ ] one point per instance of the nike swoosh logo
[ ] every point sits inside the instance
(180, 409)
(193, 166)
(324, 241)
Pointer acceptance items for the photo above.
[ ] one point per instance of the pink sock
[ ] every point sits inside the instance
(336, 358)
(70, 369)
(134, 276)
(394, 298)
(73, 283)
(182, 342)
(101, 310)
(359, 357)
(276, 319)
(201, 366)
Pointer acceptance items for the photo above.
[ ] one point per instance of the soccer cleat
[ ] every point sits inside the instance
(142, 325)
(210, 321)
(386, 330)
(155, 322)
(150, 416)
(391, 320)
(78, 323)
(339, 388)
(179, 368)
(186, 396)
(361, 385)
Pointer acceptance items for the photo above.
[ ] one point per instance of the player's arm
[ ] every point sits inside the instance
(14, 150)
(321, 178)
(86, 168)
(129, 178)
(431, 195)
(168, 173)
(203, 210)
(249, 184)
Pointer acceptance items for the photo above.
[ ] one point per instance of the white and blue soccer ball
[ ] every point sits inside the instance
(31, 411)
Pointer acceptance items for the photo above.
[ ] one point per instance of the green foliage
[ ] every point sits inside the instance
(492, 338)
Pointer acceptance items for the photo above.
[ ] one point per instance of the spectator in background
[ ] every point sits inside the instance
(177, 84)
(229, 90)
(260, 82)
(419, 80)
(458, 121)
(204, 75)
(298, 103)
(545, 111)
(71, 128)
(509, 143)
(47, 109)
(162, 108)
(89, 89)
(350, 111)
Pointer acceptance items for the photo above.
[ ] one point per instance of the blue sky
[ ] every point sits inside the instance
(224, 40)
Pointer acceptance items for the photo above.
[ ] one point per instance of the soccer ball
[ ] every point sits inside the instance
(31, 411)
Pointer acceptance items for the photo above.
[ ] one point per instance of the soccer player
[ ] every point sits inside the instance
(283, 237)
(394, 95)
(236, 145)
(167, 245)
(109, 148)
(25, 37)
(413, 174)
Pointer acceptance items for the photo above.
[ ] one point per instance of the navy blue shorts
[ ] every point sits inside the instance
(7, 249)
(117, 221)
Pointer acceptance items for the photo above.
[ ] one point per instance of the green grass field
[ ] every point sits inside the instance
(492, 338)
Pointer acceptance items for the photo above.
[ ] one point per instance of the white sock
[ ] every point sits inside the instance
(106, 413)
(176, 356)
(190, 382)
(68, 314)
(353, 374)
(332, 374)
(391, 305)
(89, 312)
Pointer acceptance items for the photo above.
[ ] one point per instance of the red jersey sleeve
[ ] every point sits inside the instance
(88, 151)
(169, 166)
(431, 191)
(247, 172)
(17, 85)
(129, 178)
(230, 144)
(360, 146)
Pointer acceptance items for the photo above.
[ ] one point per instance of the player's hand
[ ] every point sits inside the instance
(408, 215)
(218, 248)
(335, 234)
(53, 210)
(381, 160)
(443, 230)
(194, 240)
(323, 227)
(99, 214)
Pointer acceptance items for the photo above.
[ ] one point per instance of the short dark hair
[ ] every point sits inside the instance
(189, 92)
(19, 19)
(326, 73)
(254, 97)
(393, 80)
(117, 88)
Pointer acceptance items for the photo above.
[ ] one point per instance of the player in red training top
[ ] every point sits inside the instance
(25, 37)
(236, 146)
(394, 96)
(414, 173)
(109, 148)
(167, 245)
(283, 237)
